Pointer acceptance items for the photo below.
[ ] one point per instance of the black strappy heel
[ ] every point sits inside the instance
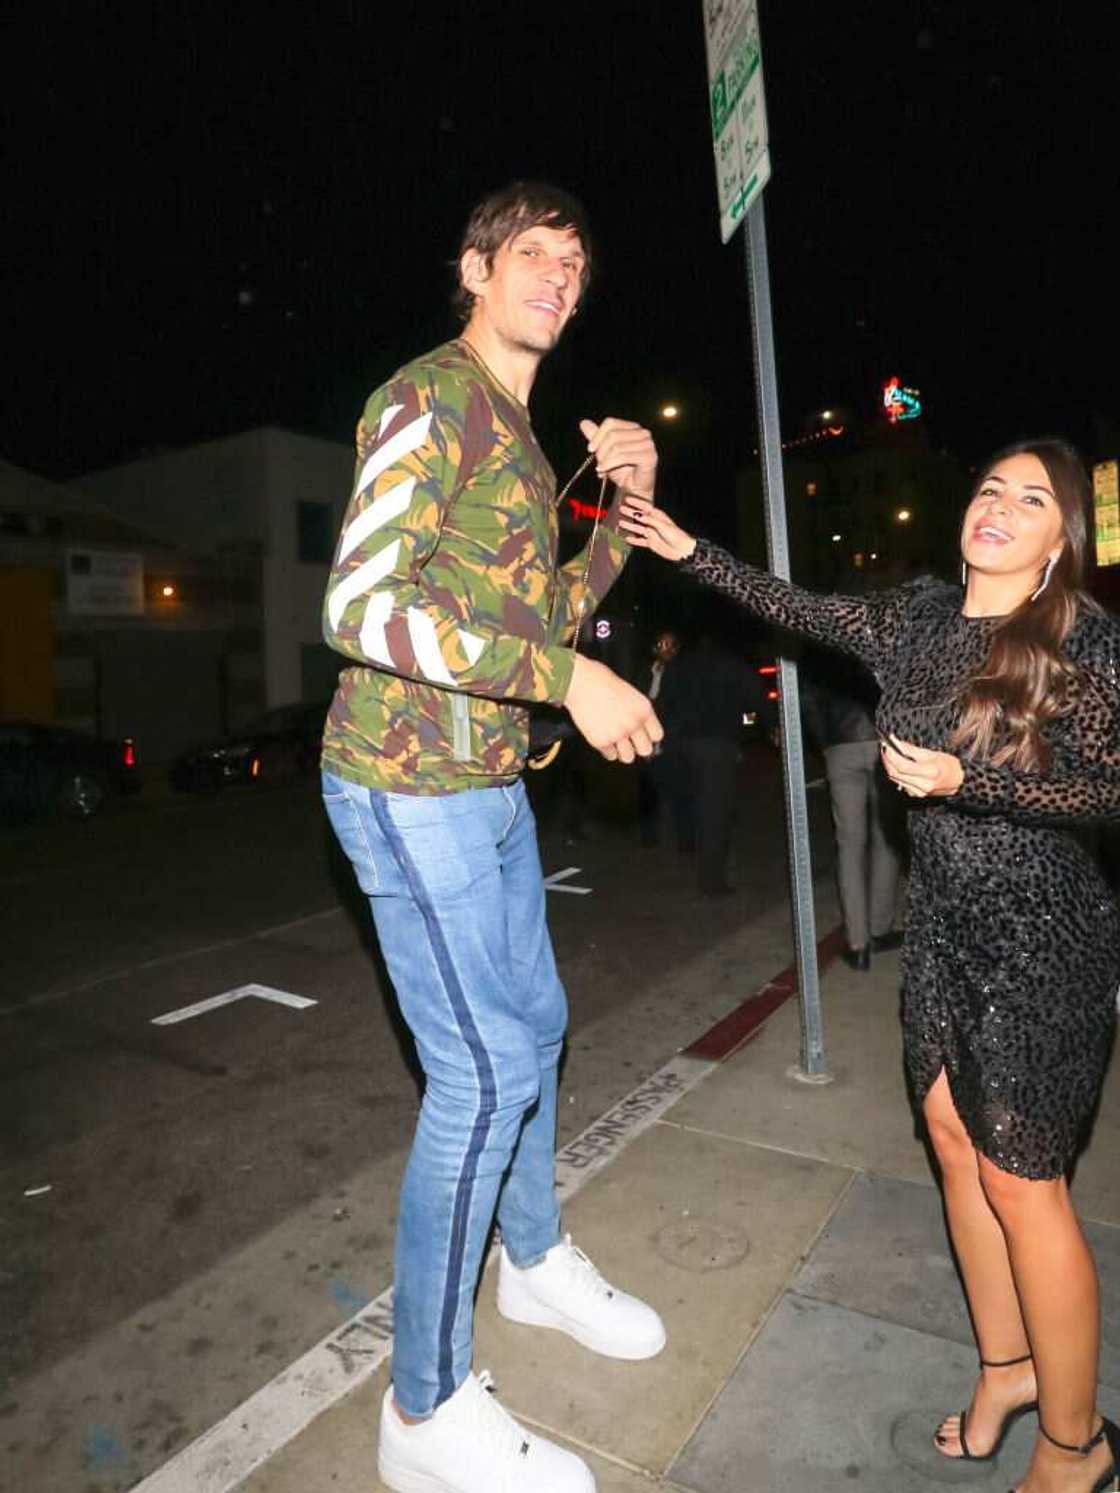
(1005, 1425)
(1108, 1432)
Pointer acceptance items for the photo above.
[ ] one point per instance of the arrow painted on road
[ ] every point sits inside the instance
(227, 998)
(552, 883)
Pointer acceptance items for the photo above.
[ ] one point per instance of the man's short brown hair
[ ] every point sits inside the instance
(504, 214)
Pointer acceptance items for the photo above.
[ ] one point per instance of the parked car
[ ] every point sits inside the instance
(280, 744)
(50, 769)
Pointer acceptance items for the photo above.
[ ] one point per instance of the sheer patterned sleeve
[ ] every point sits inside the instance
(866, 626)
(1083, 783)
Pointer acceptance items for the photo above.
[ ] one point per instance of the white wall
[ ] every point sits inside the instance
(298, 468)
(203, 497)
(244, 490)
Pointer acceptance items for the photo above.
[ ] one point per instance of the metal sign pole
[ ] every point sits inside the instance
(741, 145)
(812, 1068)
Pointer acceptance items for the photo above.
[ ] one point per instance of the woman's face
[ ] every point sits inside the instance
(1013, 524)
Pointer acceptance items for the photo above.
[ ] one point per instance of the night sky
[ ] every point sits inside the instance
(220, 216)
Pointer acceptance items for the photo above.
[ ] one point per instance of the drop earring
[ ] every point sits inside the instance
(964, 572)
(1046, 574)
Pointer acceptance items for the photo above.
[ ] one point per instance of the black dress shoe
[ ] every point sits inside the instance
(857, 958)
(882, 943)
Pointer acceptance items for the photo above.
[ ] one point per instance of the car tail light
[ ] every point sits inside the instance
(129, 752)
(768, 668)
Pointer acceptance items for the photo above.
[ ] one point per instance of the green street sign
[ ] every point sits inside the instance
(738, 106)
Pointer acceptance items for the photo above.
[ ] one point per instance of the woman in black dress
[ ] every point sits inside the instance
(1000, 712)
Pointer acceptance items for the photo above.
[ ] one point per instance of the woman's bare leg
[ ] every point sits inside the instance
(981, 1248)
(1056, 1280)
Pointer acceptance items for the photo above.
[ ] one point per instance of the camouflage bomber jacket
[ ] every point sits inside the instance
(444, 588)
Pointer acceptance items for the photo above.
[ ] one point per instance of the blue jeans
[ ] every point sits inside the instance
(457, 894)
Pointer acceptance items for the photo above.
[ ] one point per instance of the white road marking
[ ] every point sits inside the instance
(223, 1457)
(48, 997)
(552, 883)
(227, 998)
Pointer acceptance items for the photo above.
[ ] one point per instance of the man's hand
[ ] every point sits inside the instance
(616, 719)
(624, 452)
(920, 772)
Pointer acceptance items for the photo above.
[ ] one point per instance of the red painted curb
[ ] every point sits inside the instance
(741, 1024)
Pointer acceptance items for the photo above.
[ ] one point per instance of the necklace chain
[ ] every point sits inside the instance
(560, 496)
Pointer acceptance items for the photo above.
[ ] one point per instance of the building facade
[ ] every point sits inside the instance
(271, 493)
(172, 598)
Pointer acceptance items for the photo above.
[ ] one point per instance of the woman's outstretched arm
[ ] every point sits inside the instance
(864, 626)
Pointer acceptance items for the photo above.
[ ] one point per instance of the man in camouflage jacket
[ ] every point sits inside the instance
(446, 596)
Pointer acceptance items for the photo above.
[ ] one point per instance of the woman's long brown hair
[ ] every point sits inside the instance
(1025, 682)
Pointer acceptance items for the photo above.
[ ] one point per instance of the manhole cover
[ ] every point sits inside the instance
(697, 1244)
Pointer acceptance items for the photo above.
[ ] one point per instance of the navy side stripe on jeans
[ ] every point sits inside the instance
(487, 1088)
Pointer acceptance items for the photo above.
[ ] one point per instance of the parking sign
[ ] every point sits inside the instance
(737, 107)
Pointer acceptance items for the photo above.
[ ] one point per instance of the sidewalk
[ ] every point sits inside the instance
(791, 1236)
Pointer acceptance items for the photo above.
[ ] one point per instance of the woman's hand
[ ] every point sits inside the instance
(651, 529)
(920, 772)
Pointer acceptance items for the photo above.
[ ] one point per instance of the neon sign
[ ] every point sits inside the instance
(901, 403)
(586, 510)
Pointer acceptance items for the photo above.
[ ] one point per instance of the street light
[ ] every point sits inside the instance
(669, 411)
(167, 592)
(903, 516)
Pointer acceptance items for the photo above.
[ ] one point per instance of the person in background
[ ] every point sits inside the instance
(837, 708)
(719, 688)
(663, 797)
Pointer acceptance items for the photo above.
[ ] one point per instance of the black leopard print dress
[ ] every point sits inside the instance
(1012, 954)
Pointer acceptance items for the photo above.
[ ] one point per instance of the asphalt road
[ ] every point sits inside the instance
(185, 1208)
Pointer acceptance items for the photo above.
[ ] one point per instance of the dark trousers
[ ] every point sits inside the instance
(867, 867)
(712, 764)
(666, 800)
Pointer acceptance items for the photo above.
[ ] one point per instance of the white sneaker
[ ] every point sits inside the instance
(472, 1445)
(565, 1291)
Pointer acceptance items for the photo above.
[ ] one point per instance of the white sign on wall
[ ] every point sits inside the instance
(737, 106)
(104, 583)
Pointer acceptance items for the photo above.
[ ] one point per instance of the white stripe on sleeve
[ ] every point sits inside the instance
(387, 418)
(363, 579)
(372, 640)
(472, 646)
(389, 505)
(411, 438)
(425, 645)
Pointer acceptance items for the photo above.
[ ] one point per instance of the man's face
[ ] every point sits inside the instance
(531, 289)
(666, 647)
